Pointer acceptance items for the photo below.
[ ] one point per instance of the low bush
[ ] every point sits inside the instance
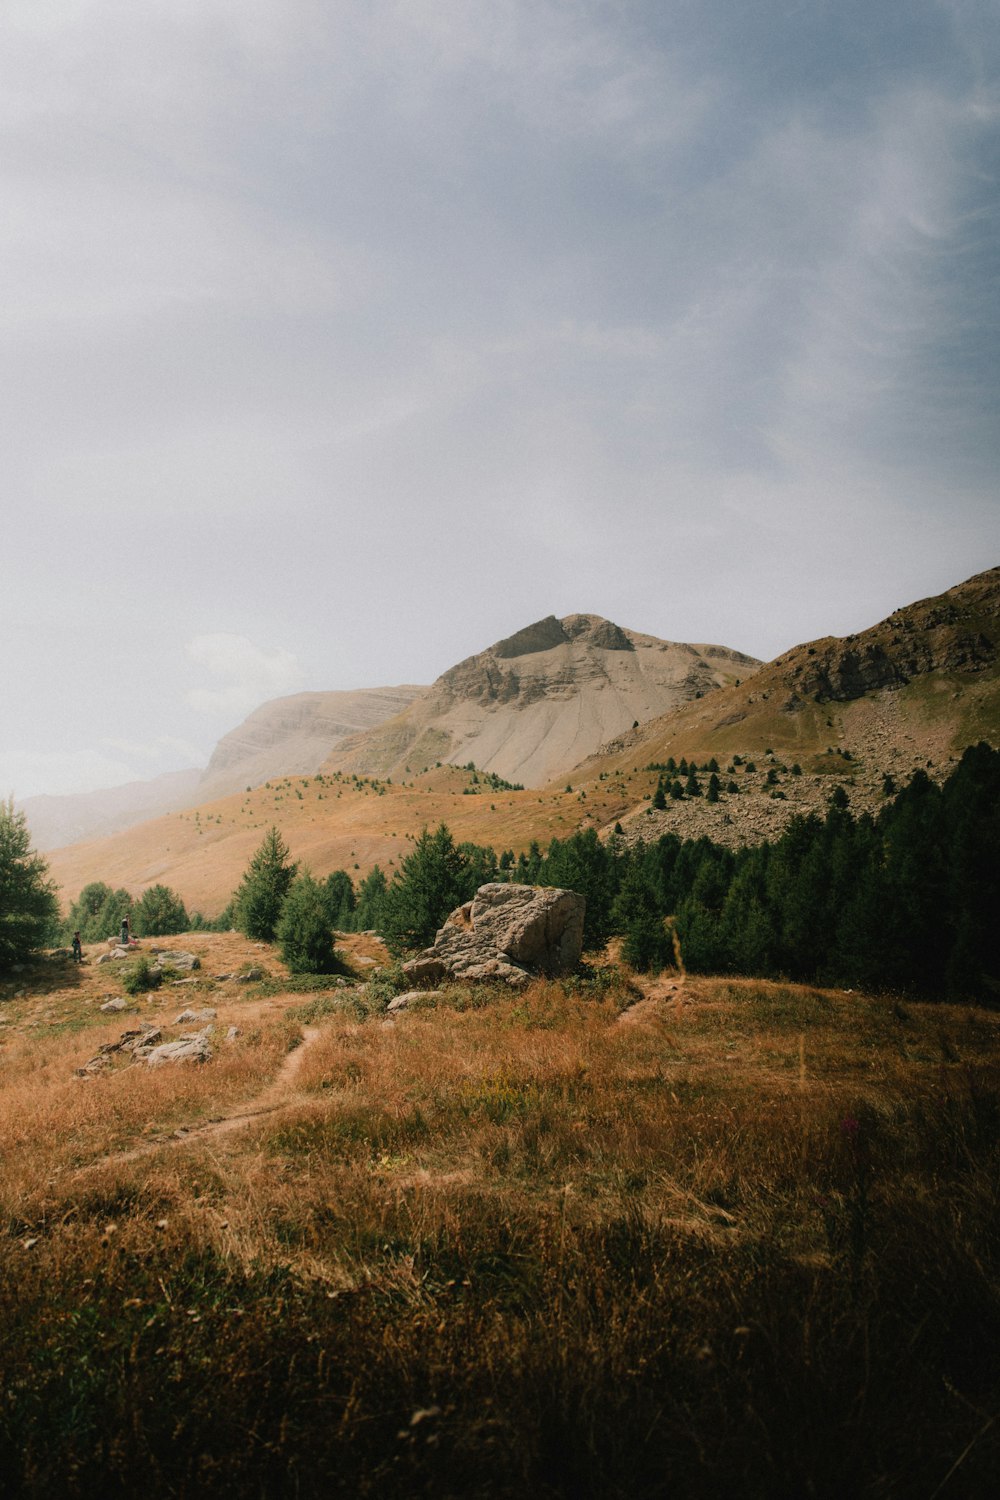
(142, 976)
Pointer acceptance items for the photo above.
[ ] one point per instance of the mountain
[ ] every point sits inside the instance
(55, 821)
(290, 736)
(912, 691)
(284, 735)
(532, 706)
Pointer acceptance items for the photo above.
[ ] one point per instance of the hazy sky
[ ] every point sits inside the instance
(341, 338)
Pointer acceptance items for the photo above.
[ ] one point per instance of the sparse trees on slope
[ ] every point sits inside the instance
(262, 891)
(29, 911)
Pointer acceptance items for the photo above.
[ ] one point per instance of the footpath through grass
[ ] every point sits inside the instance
(740, 1239)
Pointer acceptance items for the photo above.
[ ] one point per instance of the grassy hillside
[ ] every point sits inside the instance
(701, 1237)
(330, 822)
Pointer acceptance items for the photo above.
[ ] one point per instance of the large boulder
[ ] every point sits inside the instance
(506, 932)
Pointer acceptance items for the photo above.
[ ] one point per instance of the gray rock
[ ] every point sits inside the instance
(426, 970)
(401, 1002)
(170, 958)
(194, 1015)
(250, 976)
(137, 1041)
(507, 933)
(194, 1047)
(117, 1002)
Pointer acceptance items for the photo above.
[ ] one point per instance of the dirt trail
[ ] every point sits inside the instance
(279, 1094)
(657, 994)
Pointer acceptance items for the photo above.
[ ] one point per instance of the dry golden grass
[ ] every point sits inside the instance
(203, 852)
(615, 1241)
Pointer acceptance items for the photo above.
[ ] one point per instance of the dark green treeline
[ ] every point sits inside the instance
(908, 900)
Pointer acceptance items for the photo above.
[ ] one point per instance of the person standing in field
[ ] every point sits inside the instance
(125, 930)
(77, 948)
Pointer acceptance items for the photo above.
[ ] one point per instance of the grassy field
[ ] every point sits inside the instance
(689, 1237)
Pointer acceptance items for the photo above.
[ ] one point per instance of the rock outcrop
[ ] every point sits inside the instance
(193, 1046)
(534, 705)
(293, 736)
(506, 932)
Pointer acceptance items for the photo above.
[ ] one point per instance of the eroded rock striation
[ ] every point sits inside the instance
(535, 704)
(506, 932)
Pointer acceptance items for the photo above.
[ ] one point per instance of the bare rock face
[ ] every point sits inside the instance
(293, 736)
(507, 932)
(533, 706)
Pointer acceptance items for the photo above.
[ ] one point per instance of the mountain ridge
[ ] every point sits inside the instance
(344, 820)
(533, 705)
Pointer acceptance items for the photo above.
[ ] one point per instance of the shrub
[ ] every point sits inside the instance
(141, 976)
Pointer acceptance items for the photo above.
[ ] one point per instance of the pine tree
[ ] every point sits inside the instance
(582, 863)
(636, 915)
(659, 796)
(29, 911)
(428, 885)
(263, 889)
(97, 912)
(160, 911)
(304, 930)
(339, 898)
(370, 906)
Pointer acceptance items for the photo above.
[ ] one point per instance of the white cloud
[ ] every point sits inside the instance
(246, 675)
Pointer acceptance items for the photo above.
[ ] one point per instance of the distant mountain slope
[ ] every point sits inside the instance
(285, 736)
(913, 691)
(293, 736)
(532, 706)
(929, 685)
(55, 821)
